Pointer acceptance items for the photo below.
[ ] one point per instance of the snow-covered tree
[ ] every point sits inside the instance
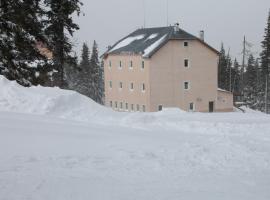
(265, 64)
(236, 77)
(95, 72)
(224, 70)
(59, 22)
(20, 30)
(250, 95)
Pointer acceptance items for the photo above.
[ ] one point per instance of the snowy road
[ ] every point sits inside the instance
(48, 158)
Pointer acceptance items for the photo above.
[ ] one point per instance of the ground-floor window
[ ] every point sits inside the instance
(115, 104)
(121, 105)
(191, 107)
(143, 108)
(111, 104)
(126, 106)
(132, 107)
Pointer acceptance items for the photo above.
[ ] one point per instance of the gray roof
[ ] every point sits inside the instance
(147, 41)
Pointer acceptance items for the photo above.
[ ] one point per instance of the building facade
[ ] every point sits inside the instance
(158, 68)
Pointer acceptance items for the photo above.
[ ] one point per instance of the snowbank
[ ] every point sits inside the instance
(48, 101)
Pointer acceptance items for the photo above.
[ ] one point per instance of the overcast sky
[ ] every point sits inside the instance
(227, 21)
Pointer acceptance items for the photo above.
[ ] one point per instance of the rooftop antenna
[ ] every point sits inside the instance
(167, 6)
(144, 13)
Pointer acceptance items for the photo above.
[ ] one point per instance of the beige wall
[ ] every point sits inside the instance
(164, 76)
(136, 75)
(168, 74)
(224, 101)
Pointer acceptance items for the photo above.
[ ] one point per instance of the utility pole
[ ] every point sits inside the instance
(243, 66)
(266, 94)
(230, 70)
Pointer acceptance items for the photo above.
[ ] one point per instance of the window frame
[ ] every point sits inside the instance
(131, 84)
(186, 42)
(143, 87)
(188, 84)
(110, 85)
(142, 65)
(193, 107)
(126, 106)
(120, 65)
(110, 64)
(131, 65)
(188, 63)
(121, 85)
(143, 108)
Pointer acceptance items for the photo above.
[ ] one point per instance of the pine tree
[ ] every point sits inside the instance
(95, 72)
(236, 77)
(84, 79)
(223, 69)
(250, 83)
(101, 83)
(265, 61)
(20, 59)
(59, 21)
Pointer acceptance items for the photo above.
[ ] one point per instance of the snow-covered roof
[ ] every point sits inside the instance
(147, 41)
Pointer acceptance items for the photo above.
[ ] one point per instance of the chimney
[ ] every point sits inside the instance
(201, 35)
(176, 27)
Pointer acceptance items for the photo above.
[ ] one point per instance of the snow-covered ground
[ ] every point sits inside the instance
(59, 145)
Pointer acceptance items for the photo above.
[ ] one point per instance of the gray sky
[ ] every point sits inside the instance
(227, 21)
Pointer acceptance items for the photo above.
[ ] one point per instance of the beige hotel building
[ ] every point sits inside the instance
(165, 67)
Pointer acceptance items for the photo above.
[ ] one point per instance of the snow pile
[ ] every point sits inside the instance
(126, 42)
(152, 47)
(48, 101)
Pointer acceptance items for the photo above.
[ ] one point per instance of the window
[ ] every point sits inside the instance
(132, 107)
(142, 64)
(131, 87)
(143, 87)
(138, 107)
(160, 108)
(121, 105)
(186, 63)
(111, 104)
(115, 104)
(110, 84)
(120, 64)
(186, 85)
(110, 64)
(126, 106)
(120, 85)
(130, 65)
(143, 108)
(185, 44)
(191, 107)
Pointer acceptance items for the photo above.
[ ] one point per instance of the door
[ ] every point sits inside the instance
(160, 108)
(211, 106)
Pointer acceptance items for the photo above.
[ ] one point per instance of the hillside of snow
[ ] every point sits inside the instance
(57, 144)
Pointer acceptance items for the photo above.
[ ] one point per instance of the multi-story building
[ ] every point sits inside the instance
(153, 68)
